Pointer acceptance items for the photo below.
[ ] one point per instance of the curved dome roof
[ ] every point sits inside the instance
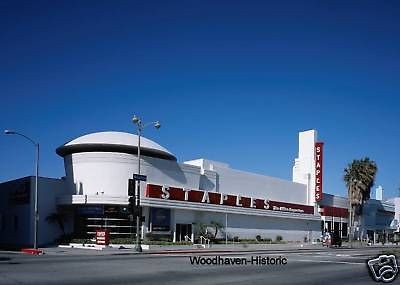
(114, 142)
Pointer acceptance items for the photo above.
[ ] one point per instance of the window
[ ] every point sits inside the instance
(344, 229)
(328, 226)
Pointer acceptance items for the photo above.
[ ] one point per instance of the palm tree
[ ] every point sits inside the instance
(359, 177)
(217, 226)
(205, 231)
(57, 218)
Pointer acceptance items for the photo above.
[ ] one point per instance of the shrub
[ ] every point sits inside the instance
(125, 240)
(278, 238)
(258, 238)
(159, 237)
(268, 240)
(64, 239)
(81, 240)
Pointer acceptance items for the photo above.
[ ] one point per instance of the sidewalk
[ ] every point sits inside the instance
(171, 249)
(187, 249)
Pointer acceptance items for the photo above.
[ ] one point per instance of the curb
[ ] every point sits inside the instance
(82, 246)
(32, 251)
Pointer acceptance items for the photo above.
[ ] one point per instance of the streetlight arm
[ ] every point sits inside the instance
(7, 132)
(140, 125)
(150, 123)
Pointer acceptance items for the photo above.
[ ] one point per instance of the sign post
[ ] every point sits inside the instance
(134, 203)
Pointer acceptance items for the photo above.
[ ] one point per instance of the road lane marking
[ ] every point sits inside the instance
(328, 261)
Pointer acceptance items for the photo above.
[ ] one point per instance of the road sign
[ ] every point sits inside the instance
(139, 177)
(103, 237)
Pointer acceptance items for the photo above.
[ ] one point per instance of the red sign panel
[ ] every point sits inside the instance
(334, 212)
(318, 170)
(103, 237)
(206, 197)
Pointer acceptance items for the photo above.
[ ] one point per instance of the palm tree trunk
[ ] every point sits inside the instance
(351, 225)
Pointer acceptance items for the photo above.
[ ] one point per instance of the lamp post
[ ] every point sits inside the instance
(140, 126)
(36, 214)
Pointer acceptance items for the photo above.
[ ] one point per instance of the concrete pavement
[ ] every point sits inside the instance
(303, 266)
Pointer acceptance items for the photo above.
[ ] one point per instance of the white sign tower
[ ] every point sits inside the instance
(304, 164)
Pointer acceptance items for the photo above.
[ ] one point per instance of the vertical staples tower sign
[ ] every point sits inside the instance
(318, 170)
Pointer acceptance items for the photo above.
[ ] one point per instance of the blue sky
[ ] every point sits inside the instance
(232, 81)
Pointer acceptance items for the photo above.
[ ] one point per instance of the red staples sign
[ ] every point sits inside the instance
(318, 170)
(215, 198)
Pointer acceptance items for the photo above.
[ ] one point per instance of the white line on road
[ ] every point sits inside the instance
(328, 261)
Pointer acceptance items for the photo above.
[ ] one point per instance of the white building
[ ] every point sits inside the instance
(177, 197)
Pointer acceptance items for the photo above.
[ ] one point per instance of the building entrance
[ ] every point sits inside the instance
(88, 219)
(183, 232)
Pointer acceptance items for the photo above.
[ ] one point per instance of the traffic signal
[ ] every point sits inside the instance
(132, 207)
(131, 187)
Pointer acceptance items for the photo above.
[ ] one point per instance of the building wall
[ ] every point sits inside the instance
(107, 174)
(49, 190)
(248, 226)
(377, 215)
(18, 218)
(15, 213)
(396, 202)
(232, 181)
(334, 201)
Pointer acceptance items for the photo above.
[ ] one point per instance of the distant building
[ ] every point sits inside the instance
(396, 202)
(379, 193)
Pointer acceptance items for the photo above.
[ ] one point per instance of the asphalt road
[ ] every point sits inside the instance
(325, 266)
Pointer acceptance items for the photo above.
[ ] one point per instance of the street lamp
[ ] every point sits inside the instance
(36, 214)
(140, 126)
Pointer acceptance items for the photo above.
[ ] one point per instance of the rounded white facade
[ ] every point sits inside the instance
(118, 142)
(102, 163)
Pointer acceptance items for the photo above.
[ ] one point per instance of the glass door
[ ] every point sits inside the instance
(183, 232)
